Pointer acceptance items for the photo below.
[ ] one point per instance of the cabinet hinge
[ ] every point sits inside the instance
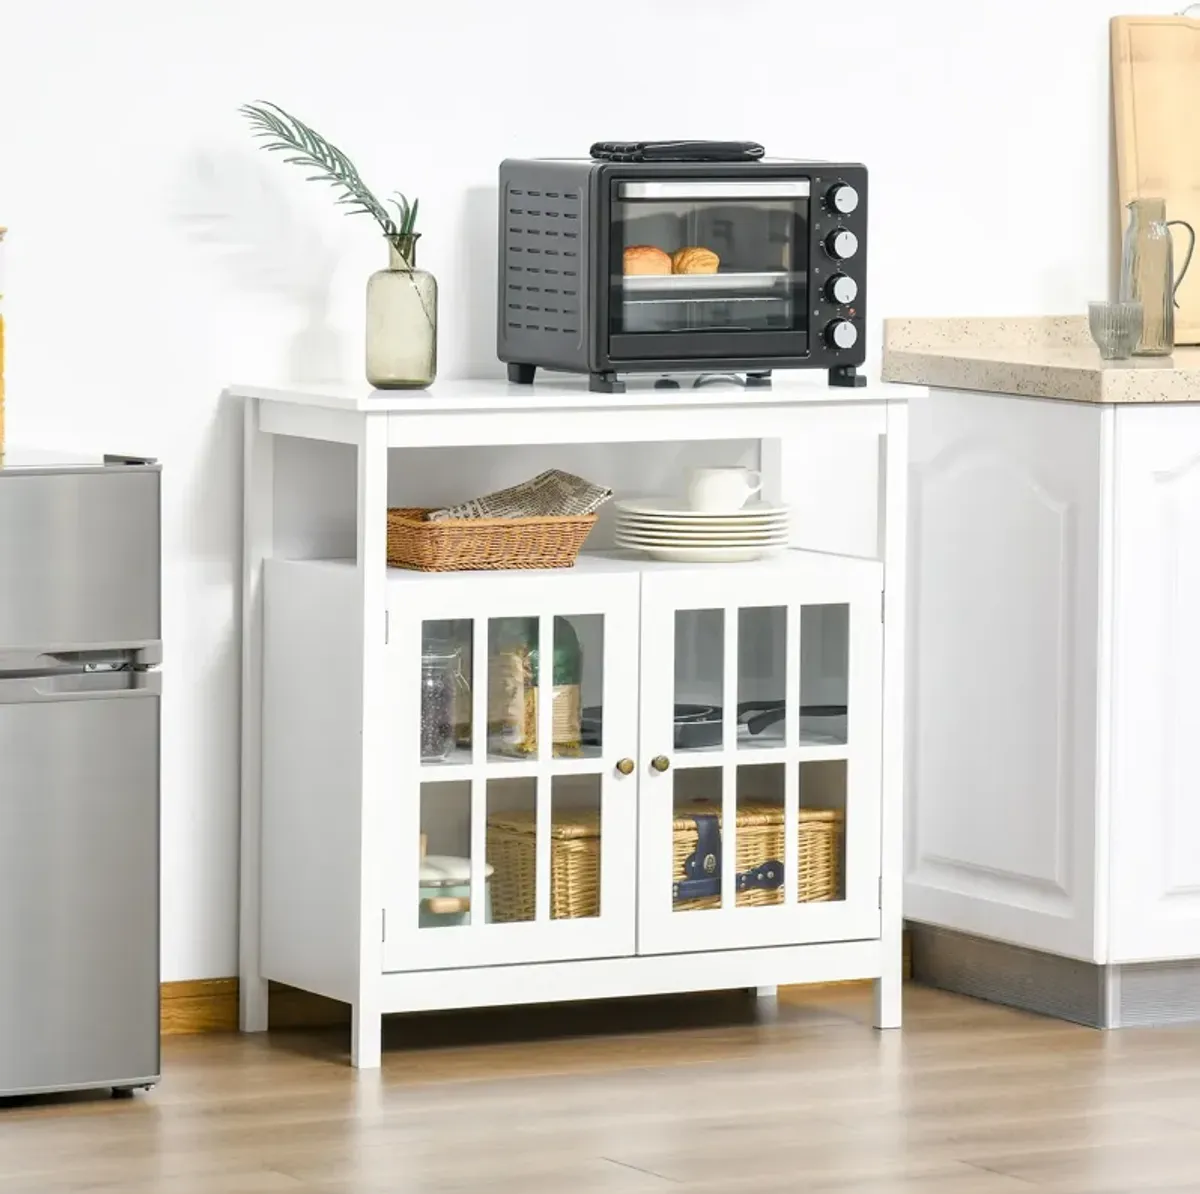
(387, 625)
(881, 891)
(882, 604)
(383, 925)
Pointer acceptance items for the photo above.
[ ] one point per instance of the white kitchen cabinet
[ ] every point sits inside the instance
(802, 654)
(1154, 887)
(1054, 763)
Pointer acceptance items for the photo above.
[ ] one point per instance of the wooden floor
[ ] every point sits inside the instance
(700, 1094)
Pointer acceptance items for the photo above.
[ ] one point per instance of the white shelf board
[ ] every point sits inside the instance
(459, 766)
(715, 756)
(567, 392)
(606, 563)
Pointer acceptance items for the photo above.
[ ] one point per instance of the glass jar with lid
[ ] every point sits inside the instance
(442, 682)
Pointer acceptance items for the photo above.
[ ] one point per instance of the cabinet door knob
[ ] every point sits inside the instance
(625, 766)
(660, 763)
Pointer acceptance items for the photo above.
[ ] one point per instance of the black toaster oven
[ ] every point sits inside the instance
(609, 268)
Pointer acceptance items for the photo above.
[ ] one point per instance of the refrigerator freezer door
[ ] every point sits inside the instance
(79, 973)
(80, 560)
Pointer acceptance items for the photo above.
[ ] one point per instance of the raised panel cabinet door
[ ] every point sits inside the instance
(1155, 844)
(512, 803)
(760, 756)
(1004, 576)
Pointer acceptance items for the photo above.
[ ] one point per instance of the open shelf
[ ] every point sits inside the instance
(607, 563)
(593, 563)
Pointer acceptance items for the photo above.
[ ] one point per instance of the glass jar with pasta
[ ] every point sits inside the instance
(513, 688)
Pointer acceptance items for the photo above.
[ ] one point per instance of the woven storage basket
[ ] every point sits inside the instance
(574, 865)
(575, 858)
(760, 837)
(483, 544)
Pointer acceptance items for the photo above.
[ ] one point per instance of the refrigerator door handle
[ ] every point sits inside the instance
(118, 459)
(80, 686)
(75, 659)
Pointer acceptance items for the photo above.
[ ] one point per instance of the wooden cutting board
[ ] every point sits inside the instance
(1156, 109)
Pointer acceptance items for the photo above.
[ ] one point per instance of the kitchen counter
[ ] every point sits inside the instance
(1054, 693)
(1042, 357)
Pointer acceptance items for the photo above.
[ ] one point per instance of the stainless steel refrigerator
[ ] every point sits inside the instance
(80, 644)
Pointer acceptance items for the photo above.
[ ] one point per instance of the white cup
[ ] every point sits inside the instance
(722, 490)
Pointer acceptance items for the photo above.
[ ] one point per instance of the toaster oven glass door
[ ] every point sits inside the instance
(709, 268)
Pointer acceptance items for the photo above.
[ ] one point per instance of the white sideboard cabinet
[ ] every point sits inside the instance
(338, 802)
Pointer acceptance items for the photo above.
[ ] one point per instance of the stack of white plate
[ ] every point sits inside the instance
(668, 529)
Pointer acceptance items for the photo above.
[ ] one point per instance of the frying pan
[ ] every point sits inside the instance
(701, 726)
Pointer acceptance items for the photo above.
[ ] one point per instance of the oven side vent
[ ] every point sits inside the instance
(542, 267)
(542, 270)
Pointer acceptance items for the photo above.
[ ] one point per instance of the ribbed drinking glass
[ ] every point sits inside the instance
(1115, 327)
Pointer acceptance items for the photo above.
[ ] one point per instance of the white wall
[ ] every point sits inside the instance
(153, 257)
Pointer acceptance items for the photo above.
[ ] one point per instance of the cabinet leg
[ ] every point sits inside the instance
(366, 1038)
(889, 998)
(253, 1014)
(766, 992)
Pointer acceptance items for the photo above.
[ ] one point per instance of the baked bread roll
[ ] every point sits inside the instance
(646, 259)
(695, 259)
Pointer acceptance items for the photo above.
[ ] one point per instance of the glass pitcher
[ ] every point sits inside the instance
(1148, 272)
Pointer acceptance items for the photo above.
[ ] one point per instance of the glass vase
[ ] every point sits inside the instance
(401, 321)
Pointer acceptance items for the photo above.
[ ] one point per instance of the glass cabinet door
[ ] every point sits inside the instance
(706, 256)
(760, 730)
(513, 787)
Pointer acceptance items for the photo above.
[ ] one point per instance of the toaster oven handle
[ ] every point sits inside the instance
(728, 188)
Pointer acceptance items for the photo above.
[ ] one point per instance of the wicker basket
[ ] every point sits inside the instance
(483, 544)
(760, 837)
(574, 865)
(575, 858)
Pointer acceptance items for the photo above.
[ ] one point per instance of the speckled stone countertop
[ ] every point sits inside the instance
(1041, 357)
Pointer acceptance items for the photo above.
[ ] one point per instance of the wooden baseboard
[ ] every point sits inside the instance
(199, 1005)
(211, 1005)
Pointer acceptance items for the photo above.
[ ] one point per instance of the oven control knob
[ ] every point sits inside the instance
(842, 198)
(841, 289)
(841, 333)
(841, 244)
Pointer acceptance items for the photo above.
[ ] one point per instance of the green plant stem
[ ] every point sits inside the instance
(281, 132)
(408, 269)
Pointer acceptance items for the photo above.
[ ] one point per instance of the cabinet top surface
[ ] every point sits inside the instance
(16, 459)
(1038, 357)
(476, 395)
